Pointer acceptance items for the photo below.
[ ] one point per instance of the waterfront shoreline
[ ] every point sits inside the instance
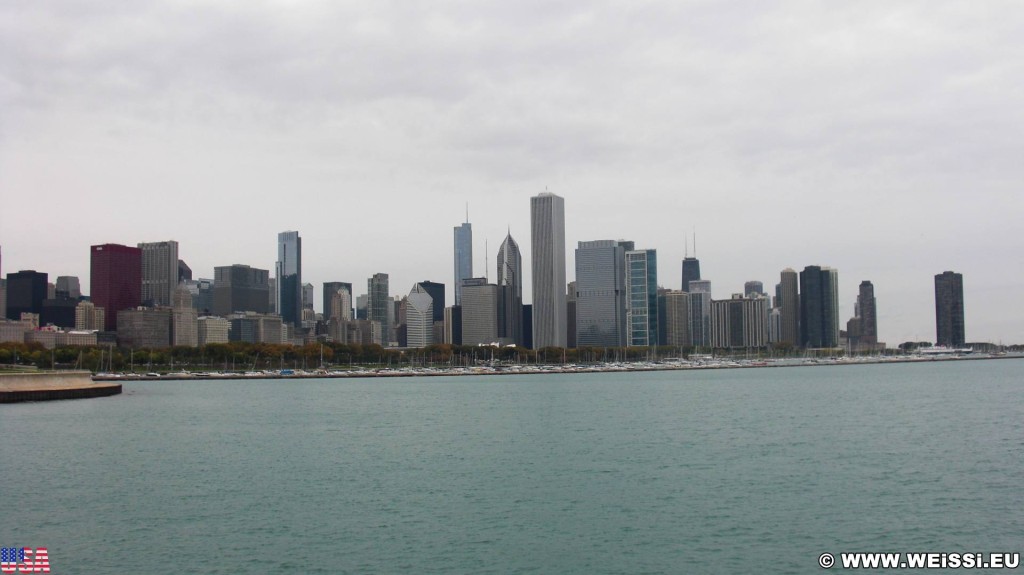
(535, 369)
(53, 385)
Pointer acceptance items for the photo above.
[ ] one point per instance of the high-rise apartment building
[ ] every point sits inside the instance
(677, 319)
(642, 298)
(547, 234)
(949, 309)
(819, 307)
(463, 257)
(510, 292)
(289, 277)
(601, 293)
(115, 280)
(378, 305)
(159, 272)
(789, 307)
(740, 322)
(240, 288)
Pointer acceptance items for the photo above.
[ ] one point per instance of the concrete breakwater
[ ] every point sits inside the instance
(50, 385)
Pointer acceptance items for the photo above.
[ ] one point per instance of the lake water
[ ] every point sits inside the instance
(741, 471)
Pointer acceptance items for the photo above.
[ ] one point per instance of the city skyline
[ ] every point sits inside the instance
(875, 139)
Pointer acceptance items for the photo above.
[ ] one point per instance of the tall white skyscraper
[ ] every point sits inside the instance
(547, 234)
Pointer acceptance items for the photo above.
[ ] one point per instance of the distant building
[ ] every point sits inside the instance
(436, 292)
(211, 329)
(184, 318)
(379, 305)
(419, 317)
(463, 257)
(949, 309)
(570, 315)
(547, 233)
(307, 296)
(752, 288)
(330, 291)
(700, 313)
(202, 295)
(789, 307)
(479, 312)
(453, 325)
(642, 298)
(677, 319)
(691, 271)
(819, 307)
(258, 328)
(601, 293)
(184, 272)
(510, 292)
(26, 291)
(240, 288)
(289, 277)
(89, 317)
(740, 322)
(59, 312)
(159, 272)
(115, 280)
(144, 327)
(862, 328)
(68, 287)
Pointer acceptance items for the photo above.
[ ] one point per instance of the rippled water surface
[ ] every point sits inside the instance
(742, 471)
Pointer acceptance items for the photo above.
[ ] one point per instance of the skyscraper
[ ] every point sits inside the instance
(463, 256)
(547, 234)
(436, 292)
(510, 292)
(789, 307)
(949, 309)
(26, 291)
(601, 293)
(184, 319)
(700, 313)
(115, 280)
(419, 317)
(159, 272)
(642, 297)
(330, 290)
(377, 303)
(677, 318)
(289, 277)
(753, 288)
(240, 288)
(868, 313)
(479, 312)
(819, 307)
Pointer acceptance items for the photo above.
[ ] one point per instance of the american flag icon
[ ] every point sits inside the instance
(24, 560)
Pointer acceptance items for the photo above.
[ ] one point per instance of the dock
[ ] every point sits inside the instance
(51, 385)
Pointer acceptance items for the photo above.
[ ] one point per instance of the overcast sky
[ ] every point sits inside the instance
(883, 139)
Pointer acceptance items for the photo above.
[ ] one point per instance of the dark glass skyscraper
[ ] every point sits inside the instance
(691, 272)
(289, 277)
(819, 307)
(601, 293)
(240, 288)
(642, 298)
(949, 309)
(26, 291)
(436, 292)
(510, 292)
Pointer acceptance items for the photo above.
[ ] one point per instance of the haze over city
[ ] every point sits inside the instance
(882, 141)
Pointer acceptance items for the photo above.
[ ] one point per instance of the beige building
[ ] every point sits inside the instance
(89, 317)
(184, 318)
(213, 330)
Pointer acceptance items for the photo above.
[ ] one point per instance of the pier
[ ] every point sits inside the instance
(51, 385)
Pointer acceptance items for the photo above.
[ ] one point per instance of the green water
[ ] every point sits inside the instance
(738, 471)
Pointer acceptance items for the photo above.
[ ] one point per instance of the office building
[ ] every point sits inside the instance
(202, 295)
(819, 307)
(379, 305)
(601, 293)
(789, 307)
(700, 313)
(213, 330)
(740, 322)
(159, 272)
(479, 312)
(289, 277)
(419, 317)
(184, 272)
(547, 234)
(115, 279)
(570, 315)
(89, 317)
(949, 309)
(240, 288)
(330, 291)
(752, 288)
(184, 318)
(68, 287)
(510, 292)
(26, 291)
(58, 312)
(144, 327)
(691, 271)
(463, 256)
(436, 292)
(453, 325)
(642, 298)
